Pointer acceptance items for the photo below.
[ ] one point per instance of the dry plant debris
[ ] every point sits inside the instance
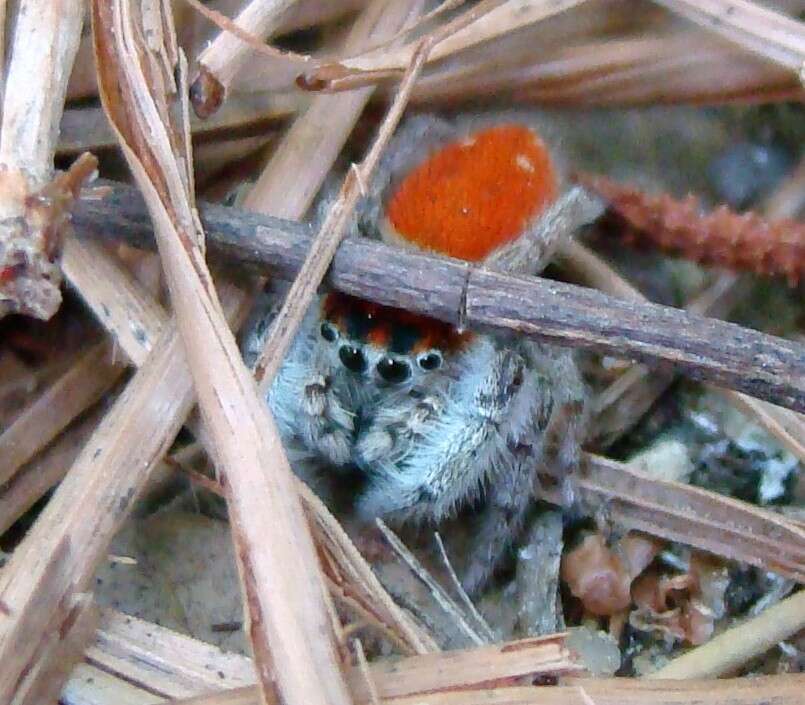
(665, 559)
(742, 241)
(34, 223)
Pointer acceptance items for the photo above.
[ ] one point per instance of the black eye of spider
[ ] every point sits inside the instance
(328, 332)
(392, 370)
(352, 358)
(430, 361)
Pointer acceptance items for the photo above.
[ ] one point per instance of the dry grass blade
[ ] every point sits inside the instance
(776, 36)
(356, 579)
(484, 23)
(289, 617)
(678, 512)
(462, 593)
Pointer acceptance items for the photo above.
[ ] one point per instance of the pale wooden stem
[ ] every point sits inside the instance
(287, 608)
(440, 595)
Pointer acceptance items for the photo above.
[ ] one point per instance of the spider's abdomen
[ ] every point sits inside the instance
(475, 194)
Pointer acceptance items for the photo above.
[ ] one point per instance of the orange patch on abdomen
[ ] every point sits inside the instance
(473, 196)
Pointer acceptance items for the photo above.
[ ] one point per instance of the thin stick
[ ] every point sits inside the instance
(439, 595)
(733, 648)
(723, 353)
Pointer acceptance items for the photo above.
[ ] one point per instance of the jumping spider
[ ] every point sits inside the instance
(434, 417)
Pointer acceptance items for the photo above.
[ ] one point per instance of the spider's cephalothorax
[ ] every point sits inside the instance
(435, 418)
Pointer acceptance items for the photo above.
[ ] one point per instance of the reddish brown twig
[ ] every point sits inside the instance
(742, 241)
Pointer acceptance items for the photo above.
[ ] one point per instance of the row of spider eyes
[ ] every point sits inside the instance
(389, 368)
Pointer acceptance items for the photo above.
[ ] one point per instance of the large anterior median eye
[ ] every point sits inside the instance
(392, 370)
(352, 358)
(329, 332)
(430, 360)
